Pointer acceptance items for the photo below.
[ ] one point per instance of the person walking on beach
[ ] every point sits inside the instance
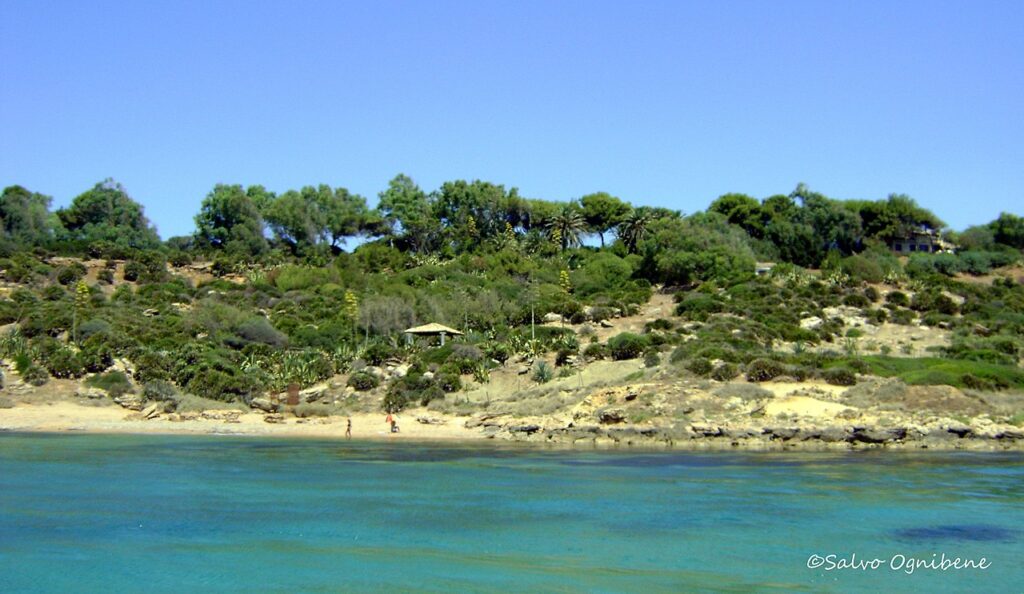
(348, 429)
(390, 420)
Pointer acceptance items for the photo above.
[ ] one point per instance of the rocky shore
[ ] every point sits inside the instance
(936, 435)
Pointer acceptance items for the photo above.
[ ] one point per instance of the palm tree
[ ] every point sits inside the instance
(634, 228)
(569, 224)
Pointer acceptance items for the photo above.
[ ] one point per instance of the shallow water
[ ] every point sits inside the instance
(118, 513)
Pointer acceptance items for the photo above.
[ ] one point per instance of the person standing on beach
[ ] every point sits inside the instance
(348, 429)
(390, 420)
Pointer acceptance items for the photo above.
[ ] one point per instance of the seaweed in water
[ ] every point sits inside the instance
(971, 532)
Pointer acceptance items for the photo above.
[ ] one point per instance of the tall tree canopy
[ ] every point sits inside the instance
(25, 216)
(108, 213)
(230, 220)
(603, 212)
(318, 215)
(408, 211)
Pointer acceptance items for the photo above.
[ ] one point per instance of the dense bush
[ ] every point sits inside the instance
(724, 372)
(839, 376)
(160, 391)
(363, 381)
(626, 346)
(64, 363)
(700, 366)
(70, 274)
(763, 370)
(35, 375)
(652, 358)
(449, 382)
(595, 351)
(115, 383)
(260, 330)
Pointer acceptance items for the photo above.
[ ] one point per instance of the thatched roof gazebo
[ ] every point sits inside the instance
(432, 330)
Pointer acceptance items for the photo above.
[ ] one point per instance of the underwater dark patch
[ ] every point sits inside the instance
(966, 532)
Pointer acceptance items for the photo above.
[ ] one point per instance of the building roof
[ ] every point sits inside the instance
(433, 329)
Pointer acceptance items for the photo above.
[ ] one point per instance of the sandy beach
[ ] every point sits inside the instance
(62, 417)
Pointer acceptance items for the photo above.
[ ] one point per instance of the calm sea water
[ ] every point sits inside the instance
(86, 513)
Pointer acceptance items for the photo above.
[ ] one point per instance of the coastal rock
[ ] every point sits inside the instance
(90, 393)
(152, 411)
(782, 433)
(273, 418)
(527, 429)
(611, 415)
(811, 323)
(606, 324)
(264, 404)
(706, 429)
(424, 419)
(878, 435)
(552, 317)
(129, 401)
(483, 420)
(830, 434)
(313, 393)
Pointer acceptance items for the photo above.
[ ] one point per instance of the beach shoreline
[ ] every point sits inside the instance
(65, 417)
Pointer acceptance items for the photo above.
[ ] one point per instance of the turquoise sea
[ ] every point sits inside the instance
(119, 513)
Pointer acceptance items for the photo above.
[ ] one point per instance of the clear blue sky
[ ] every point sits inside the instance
(662, 103)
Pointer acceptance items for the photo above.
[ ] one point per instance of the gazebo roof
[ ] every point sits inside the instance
(433, 329)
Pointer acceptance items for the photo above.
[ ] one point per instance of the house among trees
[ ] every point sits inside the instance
(921, 239)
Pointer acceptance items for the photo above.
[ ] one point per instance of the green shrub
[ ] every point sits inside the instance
(260, 330)
(658, 324)
(724, 372)
(856, 300)
(839, 376)
(543, 373)
(105, 276)
(499, 352)
(449, 382)
(652, 358)
(762, 370)
(700, 366)
(133, 271)
(92, 327)
(64, 363)
(563, 356)
(595, 351)
(67, 275)
(115, 383)
(377, 353)
(897, 298)
(363, 381)
(160, 391)
(35, 375)
(626, 346)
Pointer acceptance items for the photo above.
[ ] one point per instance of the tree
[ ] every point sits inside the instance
(894, 217)
(295, 219)
(1008, 230)
(230, 220)
(25, 216)
(345, 215)
(568, 224)
(108, 213)
(633, 229)
(741, 210)
(407, 211)
(603, 212)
